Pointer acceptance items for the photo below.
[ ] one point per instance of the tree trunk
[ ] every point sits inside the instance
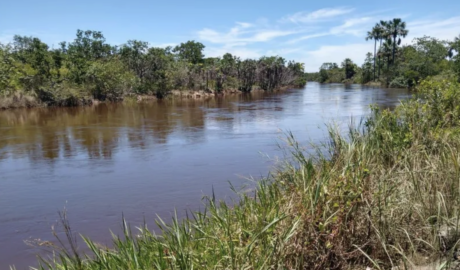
(375, 52)
(380, 47)
(394, 48)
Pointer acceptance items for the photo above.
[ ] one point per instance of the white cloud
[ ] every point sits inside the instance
(313, 59)
(162, 45)
(284, 51)
(292, 41)
(353, 26)
(318, 15)
(244, 24)
(242, 34)
(6, 38)
(446, 29)
(243, 53)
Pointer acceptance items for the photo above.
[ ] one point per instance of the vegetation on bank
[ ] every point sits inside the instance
(395, 65)
(386, 194)
(89, 68)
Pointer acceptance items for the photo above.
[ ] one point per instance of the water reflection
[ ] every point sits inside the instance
(98, 132)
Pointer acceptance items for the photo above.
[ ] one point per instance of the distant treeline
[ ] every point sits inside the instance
(393, 64)
(89, 68)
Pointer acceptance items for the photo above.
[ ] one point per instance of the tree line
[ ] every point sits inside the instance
(393, 64)
(89, 68)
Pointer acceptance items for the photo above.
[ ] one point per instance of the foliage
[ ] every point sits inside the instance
(395, 29)
(367, 70)
(349, 68)
(247, 71)
(454, 54)
(332, 73)
(89, 68)
(191, 52)
(109, 79)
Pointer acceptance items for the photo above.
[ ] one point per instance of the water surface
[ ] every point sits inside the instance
(149, 158)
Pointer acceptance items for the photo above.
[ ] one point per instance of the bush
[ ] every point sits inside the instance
(109, 80)
(399, 82)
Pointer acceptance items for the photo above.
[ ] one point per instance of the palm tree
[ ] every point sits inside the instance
(383, 34)
(375, 34)
(371, 35)
(385, 51)
(396, 29)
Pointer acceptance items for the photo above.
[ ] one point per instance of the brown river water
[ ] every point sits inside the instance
(139, 160)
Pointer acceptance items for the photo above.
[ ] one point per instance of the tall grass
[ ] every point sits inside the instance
(387, 194)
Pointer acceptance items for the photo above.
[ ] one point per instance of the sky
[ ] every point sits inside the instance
(311, 32)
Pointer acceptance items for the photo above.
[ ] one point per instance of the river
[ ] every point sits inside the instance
(139, 160)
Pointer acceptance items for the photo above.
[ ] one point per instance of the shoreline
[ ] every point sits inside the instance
(370, 84)
(20, 101)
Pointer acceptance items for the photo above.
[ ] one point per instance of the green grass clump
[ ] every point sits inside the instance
(385, 195)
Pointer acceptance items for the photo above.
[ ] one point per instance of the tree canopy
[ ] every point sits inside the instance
(89, 68)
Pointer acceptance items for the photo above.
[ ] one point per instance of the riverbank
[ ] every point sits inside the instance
(20, 100)
(383, 196)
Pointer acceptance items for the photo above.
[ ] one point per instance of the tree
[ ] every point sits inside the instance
(323, 75)
(270, 72)
(36, 65)
(367, 68)
(386, 51)
(109, 79)
(191, 52)
(158, 78)
(375, 34)
(247, 74)
(329, 66)
(133, 54)
(88, 46)
(88, 68)
(8, 70)
(227, 64)
(297, 71)
(382, 25)
(454, 55)
(32, 51)
(349, 68)
(428, 57)
(329, 72)
(396, 29)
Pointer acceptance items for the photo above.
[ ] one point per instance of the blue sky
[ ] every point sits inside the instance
(312, 32)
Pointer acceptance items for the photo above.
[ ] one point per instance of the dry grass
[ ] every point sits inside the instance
(18, 100)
